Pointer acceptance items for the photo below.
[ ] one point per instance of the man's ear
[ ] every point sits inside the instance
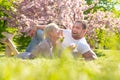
(85, 30)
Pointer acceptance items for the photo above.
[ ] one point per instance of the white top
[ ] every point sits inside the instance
(82, 45)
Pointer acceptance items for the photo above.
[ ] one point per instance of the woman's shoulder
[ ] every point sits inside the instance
(44, 44)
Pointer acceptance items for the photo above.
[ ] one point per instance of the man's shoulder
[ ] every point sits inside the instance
(82, 44)
(83, 47)
(83, 40)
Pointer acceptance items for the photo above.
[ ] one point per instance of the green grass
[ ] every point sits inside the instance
(106, 67)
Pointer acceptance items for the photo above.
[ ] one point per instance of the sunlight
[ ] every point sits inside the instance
(117, 6)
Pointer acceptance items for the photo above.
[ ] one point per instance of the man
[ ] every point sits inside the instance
(74, 36)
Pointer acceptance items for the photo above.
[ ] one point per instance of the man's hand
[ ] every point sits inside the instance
(72, 46)
(32, 32)
(89, 55)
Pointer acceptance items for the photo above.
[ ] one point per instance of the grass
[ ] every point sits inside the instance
(106, 67)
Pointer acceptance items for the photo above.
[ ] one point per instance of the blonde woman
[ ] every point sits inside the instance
(52, 34)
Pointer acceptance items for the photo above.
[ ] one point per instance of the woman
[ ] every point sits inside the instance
(52, 36)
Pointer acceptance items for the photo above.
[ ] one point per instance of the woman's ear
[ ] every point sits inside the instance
(50, 34)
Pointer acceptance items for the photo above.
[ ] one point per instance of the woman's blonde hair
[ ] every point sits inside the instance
(50, 28)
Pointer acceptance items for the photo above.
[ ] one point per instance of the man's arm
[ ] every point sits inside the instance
(34, 30)
(42, 27)
(86, 51)
(90, 55)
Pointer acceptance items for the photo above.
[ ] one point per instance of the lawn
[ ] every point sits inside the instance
(106, 67)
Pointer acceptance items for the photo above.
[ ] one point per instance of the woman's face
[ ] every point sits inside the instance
(56, 34)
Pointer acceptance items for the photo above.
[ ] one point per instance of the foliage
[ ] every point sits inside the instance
(107, 67)
(99, 15)
(30, 13)
(21, 41)
(3, 27)
(105, 39)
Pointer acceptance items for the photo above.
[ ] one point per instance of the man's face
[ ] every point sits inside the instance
(77, 31)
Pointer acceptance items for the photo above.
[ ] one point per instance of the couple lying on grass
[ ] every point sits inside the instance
(45, 42)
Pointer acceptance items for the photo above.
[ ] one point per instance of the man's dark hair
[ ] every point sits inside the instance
(84, 26)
